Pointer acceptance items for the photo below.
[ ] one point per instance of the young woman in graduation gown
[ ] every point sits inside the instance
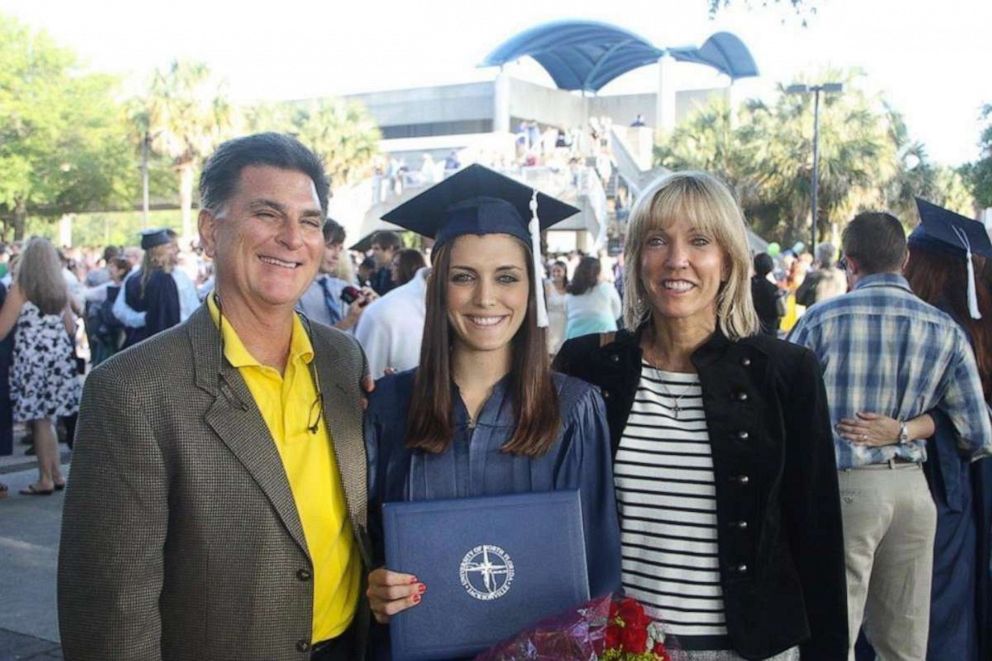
(483, 415)
(153, 290)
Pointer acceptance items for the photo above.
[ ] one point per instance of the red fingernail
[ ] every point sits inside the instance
(413, 579)
(416, 598)
(421, 588)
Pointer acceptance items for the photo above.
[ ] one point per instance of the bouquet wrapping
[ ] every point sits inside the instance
(610, 628)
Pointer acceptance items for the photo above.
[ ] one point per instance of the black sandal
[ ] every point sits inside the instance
(31, 491)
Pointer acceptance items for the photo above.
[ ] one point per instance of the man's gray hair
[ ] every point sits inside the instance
(222, 171)
(826, 255)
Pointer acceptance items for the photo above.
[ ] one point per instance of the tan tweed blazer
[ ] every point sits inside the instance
(180, 537)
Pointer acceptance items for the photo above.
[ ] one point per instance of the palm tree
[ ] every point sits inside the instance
(342, 134)
(184, 116)
(765, 152)
(979, 173)
(715, 138)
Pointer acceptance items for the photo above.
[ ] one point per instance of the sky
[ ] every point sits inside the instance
(929, 60)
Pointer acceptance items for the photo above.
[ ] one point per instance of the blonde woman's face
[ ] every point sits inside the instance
(681, 270)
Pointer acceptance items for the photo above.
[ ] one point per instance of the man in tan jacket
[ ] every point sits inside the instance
(217, 502)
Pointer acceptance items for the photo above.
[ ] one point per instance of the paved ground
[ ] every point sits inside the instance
(29, 539)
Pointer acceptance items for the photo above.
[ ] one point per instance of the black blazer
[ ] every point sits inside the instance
(780, 538)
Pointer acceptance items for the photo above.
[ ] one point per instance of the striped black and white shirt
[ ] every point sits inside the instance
(667, 498)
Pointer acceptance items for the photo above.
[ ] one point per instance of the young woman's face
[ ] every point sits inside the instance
(487, 291)
(557, 273)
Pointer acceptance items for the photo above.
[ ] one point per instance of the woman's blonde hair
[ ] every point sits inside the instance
(707, 204)
(39, 275)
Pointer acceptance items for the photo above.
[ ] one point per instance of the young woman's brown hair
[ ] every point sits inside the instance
(941, 279)
(586, 276)
(535, 399)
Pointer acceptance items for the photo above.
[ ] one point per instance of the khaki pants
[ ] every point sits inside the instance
(889, 525)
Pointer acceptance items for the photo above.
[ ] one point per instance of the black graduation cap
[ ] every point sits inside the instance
(155, 237)
(949, 232)
(477, 200)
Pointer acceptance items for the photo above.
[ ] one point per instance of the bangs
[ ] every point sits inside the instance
(689, 201)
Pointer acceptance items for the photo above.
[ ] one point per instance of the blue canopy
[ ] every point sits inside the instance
(586, 55)
(724, 52)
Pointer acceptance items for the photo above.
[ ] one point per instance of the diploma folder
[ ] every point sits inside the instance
(492, 566)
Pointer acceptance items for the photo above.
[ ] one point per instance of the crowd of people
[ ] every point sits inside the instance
(781, 457)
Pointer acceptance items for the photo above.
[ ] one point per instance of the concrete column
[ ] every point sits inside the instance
(65, 230)
(665, 99)
(501, 102)
(734, 97)
(582, 241)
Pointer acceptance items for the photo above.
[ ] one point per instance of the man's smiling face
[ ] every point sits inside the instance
(267, 240)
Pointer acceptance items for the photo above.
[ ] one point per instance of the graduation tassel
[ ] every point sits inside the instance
(535, 242)
(972, 291)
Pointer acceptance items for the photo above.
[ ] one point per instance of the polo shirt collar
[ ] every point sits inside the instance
(300, 348)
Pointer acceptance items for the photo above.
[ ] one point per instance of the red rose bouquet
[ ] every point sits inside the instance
(610, 628)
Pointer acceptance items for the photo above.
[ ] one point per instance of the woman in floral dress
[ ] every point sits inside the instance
(43, 380)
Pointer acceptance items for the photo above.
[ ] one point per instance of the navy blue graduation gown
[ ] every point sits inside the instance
(960, 594)
(474, 465)
(160, 303)
(962, 564)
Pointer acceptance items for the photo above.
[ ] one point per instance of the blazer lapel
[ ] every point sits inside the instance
(343, 418)
(236, 419)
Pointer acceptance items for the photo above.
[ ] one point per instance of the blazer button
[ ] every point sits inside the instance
(303, 574)
(741, 396)
(615, 358)
(741, 525)
(740, 479)
(742, 435)
(741, 568)
(606, 394)
(746, 362)
(303, 645)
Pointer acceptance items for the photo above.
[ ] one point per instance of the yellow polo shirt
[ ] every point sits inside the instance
(285, 401)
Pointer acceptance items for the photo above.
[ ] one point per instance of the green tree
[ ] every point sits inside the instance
(950, 190)
(765, 152)
(979, 173)
(183, 117)
(715, 139)
(62, 145)
(343, 134)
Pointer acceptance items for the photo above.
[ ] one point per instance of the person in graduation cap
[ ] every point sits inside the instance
(483, 415)
(153, 290)
(946, 250)
(886, 352)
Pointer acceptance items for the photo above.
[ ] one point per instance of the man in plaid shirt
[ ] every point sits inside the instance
(884, 351)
